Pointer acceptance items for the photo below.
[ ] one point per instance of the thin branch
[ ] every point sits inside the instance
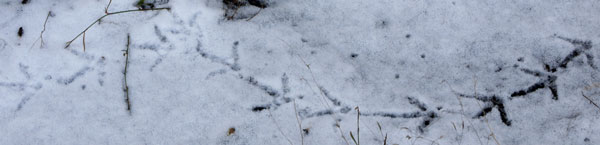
(108, 14)
(41, 38)
(126, 88)
(588, 98)
(106, 9)
(254, 14)
(84, 42)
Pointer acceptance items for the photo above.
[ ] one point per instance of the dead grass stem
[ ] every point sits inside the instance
(41, 38)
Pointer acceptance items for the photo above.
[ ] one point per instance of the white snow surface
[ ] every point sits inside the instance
(422, 69)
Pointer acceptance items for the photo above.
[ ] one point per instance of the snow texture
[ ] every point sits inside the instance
(277, 72)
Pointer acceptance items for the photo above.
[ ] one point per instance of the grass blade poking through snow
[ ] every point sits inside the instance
(353, 139)
(385, 140)
(381, 132)
(299, 122)
(357, 139)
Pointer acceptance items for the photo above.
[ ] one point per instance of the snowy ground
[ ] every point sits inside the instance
(429, 72)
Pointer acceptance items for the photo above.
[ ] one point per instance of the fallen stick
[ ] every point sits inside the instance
(125, 87)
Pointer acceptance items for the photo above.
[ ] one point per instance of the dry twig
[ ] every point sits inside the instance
(126, 88)
(108, 14)
(41, 38)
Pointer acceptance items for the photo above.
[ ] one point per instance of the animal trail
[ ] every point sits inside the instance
(22, 85)
(548, 78)
(159, 34)
(280, 97)
(546, 81)
(26, 87)
(72, 78)
(333, 100)
(428, 115)
(23, 68)
(233, 66)
(581, 47)
(491, 102)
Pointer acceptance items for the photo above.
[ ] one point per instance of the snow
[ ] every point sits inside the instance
(423, 70)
